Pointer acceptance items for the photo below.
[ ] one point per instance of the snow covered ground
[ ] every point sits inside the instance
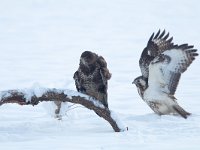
(40, 44)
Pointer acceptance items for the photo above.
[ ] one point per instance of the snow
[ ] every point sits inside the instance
(38, 90)
(35, 90)
(4, 94)
(41, 42)
(120, 124)
(71, 93)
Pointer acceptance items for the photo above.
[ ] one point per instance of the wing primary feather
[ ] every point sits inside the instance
(157, 34)
(183, 46)
(166, 36)
(162, 34)
(192, 51)
(150, 39)
(192, 54)
(170, 40)
(190, 46)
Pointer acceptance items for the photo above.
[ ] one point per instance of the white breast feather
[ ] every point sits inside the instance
(159, 74)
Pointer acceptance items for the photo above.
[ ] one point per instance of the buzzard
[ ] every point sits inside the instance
(92, 76)
(162, 63)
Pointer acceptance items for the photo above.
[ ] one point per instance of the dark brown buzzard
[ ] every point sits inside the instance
(92, 76)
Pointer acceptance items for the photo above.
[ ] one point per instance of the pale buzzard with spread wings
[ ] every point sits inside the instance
(162, 64)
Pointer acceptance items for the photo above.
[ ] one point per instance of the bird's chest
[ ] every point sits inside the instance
(154, 94)
(86, 77)
(89, 80)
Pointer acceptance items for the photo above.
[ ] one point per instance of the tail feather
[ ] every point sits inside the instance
(181, 111)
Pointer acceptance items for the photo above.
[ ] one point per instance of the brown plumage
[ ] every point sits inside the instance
(92, 76)
(157, 44)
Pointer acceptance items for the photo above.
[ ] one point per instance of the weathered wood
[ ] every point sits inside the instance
(22, 97)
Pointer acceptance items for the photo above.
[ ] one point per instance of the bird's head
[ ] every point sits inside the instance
(140, 81)
(88, 58)
(141, 84)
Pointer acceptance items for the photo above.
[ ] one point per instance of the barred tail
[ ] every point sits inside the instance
(181, 111)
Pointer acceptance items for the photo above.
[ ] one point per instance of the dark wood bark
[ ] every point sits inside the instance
(24, 98)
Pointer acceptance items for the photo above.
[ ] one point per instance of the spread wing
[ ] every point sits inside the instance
(155, 46)
(165, 70)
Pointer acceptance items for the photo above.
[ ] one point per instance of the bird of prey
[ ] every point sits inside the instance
(162, 63)
(92, 76)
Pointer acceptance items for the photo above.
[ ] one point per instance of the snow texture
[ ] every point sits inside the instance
(4, 94)
(118, 121)
(36, 90)
(41, 42)
(71, 93)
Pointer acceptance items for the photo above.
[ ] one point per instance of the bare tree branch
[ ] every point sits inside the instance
(33, 97)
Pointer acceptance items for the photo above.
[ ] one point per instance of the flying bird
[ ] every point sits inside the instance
(92, 76)
(162, 63)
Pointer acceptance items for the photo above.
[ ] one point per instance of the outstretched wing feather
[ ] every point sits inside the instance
(155, 46)
(168, 67)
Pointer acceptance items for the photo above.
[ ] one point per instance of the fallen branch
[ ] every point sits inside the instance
(34, 96)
